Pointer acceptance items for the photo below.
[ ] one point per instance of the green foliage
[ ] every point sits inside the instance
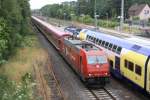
(4, 40)
(29, 41)
(58, 11)
(10, 90)
(136, 18)
(105, 8)
(85, 19)
(14, 25)
(107, 24)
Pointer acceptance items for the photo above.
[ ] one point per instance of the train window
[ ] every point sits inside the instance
(99, 43)
(90, 38)
(106, 44)
(138, 70)
(87, 37)
(110, 46)
(119, 50)
(94, 40)
(126, 63)
(114, 48)
(130, 66)
(103, 43)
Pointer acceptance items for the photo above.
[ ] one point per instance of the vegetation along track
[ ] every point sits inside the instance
(49, 76)
(42, 88)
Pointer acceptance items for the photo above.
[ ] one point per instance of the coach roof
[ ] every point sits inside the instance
(51, 28)
(123, 42)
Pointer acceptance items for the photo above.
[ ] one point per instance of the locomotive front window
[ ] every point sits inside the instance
(97, 60)
(102, 59)
(91, 59)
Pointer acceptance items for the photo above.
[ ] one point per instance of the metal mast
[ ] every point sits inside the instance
(122, 15)
(95, 15)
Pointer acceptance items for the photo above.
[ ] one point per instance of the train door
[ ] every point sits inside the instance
(148, 75)
(81, 65)
(60, 45)
(117, 64)
(81, 68)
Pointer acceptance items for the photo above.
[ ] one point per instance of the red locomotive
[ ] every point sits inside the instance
(89, 61)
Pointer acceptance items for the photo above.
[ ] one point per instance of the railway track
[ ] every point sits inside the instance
(54, 84)
(101, 94)
(49, 76)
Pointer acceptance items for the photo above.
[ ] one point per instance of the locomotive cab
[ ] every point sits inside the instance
(97, 64)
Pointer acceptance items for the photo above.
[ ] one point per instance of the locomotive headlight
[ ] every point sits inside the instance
(90, 75)
(106, 73)
(97, 66)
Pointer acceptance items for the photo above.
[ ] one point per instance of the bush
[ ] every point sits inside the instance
(85, 19)
(136, 18)
(4, 41)
(74, 18)
(10, 90)
(107, 24)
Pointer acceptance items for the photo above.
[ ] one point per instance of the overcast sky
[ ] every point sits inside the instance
(36, 4)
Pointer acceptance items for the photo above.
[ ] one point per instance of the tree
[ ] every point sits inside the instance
(4, 40)
(105, 8)
(14, 23)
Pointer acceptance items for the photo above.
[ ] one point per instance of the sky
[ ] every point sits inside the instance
(37, 4)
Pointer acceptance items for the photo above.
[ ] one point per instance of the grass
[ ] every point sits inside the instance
(19, 67)
(131, 30)
(21, 62)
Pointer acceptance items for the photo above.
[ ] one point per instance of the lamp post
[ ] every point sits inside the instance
(122, 15)
(64, 17)
(82, 15)
(72, 18)
(107, 19)
(95, 15)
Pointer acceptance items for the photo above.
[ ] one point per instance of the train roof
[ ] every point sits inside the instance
(78, 44)
(51, 28)
(131, 43)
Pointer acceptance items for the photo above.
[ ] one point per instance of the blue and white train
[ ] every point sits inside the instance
(129, 58)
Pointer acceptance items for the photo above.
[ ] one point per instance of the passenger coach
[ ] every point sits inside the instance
(52, 33)
(129, 58)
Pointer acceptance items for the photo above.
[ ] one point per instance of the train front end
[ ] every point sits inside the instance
(97, 67)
